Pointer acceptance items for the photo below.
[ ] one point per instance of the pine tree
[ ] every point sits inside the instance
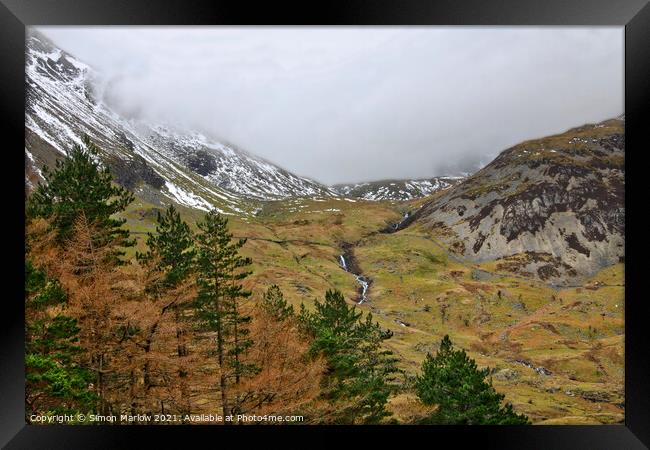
(80, 184)
(274, 304)
(218, 304)
(452, 381)
(359, 370)
(169, 261)
(55, 381)
(170, 251)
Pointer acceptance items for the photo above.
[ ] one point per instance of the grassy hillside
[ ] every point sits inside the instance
(557, 354)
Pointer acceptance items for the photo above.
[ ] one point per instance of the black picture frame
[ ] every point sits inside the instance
(634, 15)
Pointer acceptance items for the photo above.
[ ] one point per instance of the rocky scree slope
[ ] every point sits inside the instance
(550, 207)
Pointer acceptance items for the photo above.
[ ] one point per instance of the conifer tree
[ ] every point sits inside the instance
(91, 275)
(274, 304)
(218, 304)
(288, 381)
(170, 251)
(452, 381)
(79, 184)
(169, 261)
(359, 370)
(55, 381)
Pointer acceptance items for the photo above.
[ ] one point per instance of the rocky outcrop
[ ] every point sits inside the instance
(551, 207)
(132, 172)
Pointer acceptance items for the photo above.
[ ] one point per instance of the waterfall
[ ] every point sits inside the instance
(360, 279)
(364, 288)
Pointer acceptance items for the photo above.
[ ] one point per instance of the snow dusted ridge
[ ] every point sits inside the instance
(158, 162)
(398, 190)
(229, 168)
(184, 166)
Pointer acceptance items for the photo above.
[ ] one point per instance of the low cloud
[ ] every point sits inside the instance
(342, 104)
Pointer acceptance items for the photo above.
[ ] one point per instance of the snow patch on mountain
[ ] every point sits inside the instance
(187, 198)
(186, 166)
(63, 105)
(396, 190)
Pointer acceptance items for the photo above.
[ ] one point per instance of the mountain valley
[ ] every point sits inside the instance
(521, 263)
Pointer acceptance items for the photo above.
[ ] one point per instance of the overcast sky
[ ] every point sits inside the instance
(341, 104)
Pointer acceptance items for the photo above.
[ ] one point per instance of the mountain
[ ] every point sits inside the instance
(465, 260)
(155, 161)
(551, 207)
(396, 190)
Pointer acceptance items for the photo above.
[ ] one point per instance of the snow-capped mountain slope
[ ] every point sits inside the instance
(159, 163)
(230, 168)
(397, 190)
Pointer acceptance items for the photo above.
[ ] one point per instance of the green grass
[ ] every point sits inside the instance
(296, 244)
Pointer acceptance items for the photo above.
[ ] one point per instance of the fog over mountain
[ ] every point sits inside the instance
(342, 104)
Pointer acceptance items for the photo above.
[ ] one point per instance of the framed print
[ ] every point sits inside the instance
(374, 218)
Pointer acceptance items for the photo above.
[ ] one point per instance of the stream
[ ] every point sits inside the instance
(347, 262)
(407, 219)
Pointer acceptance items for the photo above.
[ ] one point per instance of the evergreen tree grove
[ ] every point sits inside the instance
(78, 184)
(452, 381)
(359, 370)
(220, 270)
